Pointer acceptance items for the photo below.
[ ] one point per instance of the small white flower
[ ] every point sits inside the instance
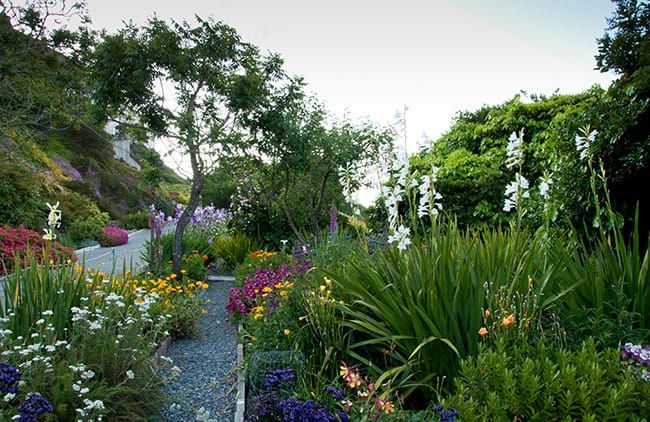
(47, 313)
(87, 374)
(130, 375)
(40, 322)
(9, 397)
(49, 234)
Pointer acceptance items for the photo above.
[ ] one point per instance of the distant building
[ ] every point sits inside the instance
(121, 145)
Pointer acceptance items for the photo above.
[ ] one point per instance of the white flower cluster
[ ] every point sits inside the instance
(583, 143)
(429, 198)
(92, 409)
(393, 196)
(515, 191)
(514, 151)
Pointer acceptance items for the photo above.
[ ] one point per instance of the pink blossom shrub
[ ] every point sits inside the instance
(113, 236)
(23, 242)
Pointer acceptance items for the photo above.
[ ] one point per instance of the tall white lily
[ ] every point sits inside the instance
(53, 221)
(583, 143)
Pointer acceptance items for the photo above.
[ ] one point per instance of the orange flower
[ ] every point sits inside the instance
(508, 321)
(487, 313)
(205, 257)
(530, 282)
(483, 332)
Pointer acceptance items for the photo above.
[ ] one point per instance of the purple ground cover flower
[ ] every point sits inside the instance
(283, 378)
(34, 405)
(9, 377)
(336, 393)
(295, 410)
(241, 300)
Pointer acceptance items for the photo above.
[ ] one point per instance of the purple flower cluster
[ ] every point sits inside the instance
(295, 410)
(9, 377)
(282, 378)
(302, 250)
(242, 299)
(336, 393)
(636, 352)
(448, 415)
(210, 216)
(68, 170)
(640, 355)
(34, 405)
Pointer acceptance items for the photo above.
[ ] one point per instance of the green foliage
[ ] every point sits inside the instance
(613, 294)
(412, 315)
(233, 249)
(541, 383)
(21, 196)
(624, 46)
(194, 266)
(219, 188)
(193, 240)
(136, 220)
(88, 226)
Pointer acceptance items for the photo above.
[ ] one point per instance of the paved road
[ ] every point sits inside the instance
(113, 260)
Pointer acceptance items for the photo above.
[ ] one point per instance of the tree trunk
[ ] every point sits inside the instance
(183, 221)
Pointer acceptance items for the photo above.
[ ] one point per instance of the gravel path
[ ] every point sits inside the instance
(207, 363)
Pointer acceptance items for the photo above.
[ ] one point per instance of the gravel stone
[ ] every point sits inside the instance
(208, 377)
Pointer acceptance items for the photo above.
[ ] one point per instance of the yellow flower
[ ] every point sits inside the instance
(183, 271)
(172, 276)
(204, 311)
(322, 288)
(267, 290)
(328, 281)
(257, 316)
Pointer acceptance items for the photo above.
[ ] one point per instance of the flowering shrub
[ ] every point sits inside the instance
(177, 301)
(113, 236)
(20, 241)
(83, 342)
(266, 282)
(638, 358)
(257, 259)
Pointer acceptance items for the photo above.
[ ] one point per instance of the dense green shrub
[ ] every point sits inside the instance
(20, 196)
(541, 383)
(88, 227)
(194, 266)
(135, 220)
(233, 249)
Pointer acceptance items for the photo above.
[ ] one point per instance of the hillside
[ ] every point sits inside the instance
(75, 167)
(53, 147)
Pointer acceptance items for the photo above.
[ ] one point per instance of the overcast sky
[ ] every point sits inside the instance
(372, 57)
